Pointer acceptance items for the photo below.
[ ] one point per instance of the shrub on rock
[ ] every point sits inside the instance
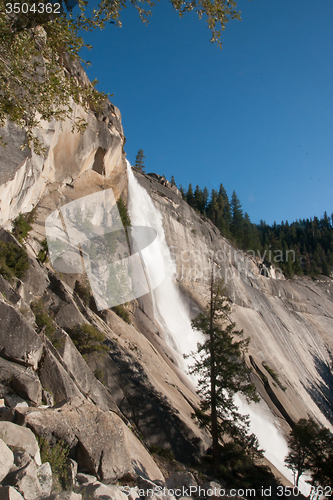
(87, 339)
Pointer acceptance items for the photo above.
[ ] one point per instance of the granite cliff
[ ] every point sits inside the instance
(112, 407)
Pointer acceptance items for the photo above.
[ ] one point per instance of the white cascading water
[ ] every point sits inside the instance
(175, 322)
(169, 309)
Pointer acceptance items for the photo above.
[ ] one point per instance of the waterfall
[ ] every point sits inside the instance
(169, 309)
(173, 317)
(271, 439)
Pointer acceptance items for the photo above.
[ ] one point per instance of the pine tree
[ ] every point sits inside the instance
(220, 365)
(139, 160)
(198, 200)
(182, 192)
(190, 196)
(237, 222)
(310, 450)
(205, 196)
(212, 208)
(173, 182)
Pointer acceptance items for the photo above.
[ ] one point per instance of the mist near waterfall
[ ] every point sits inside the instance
(270, 438)
(173, 317)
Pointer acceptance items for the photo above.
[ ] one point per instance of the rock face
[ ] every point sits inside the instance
(23, 380)
(18, 340)
(21, 438)
(105, 401)
(6, 459)
(72, 161)
(290, 323)
(101, 442)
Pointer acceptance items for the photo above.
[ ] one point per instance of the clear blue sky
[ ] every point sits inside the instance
(256, 115)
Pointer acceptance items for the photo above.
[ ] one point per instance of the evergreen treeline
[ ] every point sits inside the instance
(302, 247)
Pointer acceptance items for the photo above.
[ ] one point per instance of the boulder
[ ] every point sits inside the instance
(152, 490)
(54, 377)
(65, 495)
(28, 386)
(44, 474)
(21, 438)
(181, 479)
(141, 461)
(85, 478)
(14, 401)
(9, 493)
(97, 436)
(6, 458)
(104, 492)
(23, 380)
(18, 340)
(8, 292)
(47, 423)
(83, 376)
(25, 480)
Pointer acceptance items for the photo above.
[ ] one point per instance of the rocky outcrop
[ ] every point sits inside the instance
(72, 162)
(6, 459)
(22, 380)
(20, 438)
(18, 340)
(100, 440)
(9, 493)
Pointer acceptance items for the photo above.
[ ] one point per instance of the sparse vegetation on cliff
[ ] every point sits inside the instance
(14, 260)
(87, 339)
(22, 225)
(56, 456)
(122, 313)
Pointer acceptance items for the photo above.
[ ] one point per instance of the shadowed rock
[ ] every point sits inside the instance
(18, 340)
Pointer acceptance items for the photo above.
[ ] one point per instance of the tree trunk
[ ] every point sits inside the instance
(214, 429)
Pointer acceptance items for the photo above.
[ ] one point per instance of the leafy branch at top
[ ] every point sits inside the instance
(36, 82)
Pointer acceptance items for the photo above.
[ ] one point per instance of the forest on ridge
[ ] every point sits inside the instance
(303, 247)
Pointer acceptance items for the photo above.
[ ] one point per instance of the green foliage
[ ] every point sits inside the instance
(139, 160)
(22, 225)
(274, 376)
(43, 253)
(162, 452)
(83, 289)
(238, 459)
(123, 212)
(100, 375)
(87, 339)
(122, 313)
(43, 319)
(33, 47)
(37, 48)
(237, 220)
(222, 371)
(56, 456)
(14, 260)
(303, 247)
(311, 450)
